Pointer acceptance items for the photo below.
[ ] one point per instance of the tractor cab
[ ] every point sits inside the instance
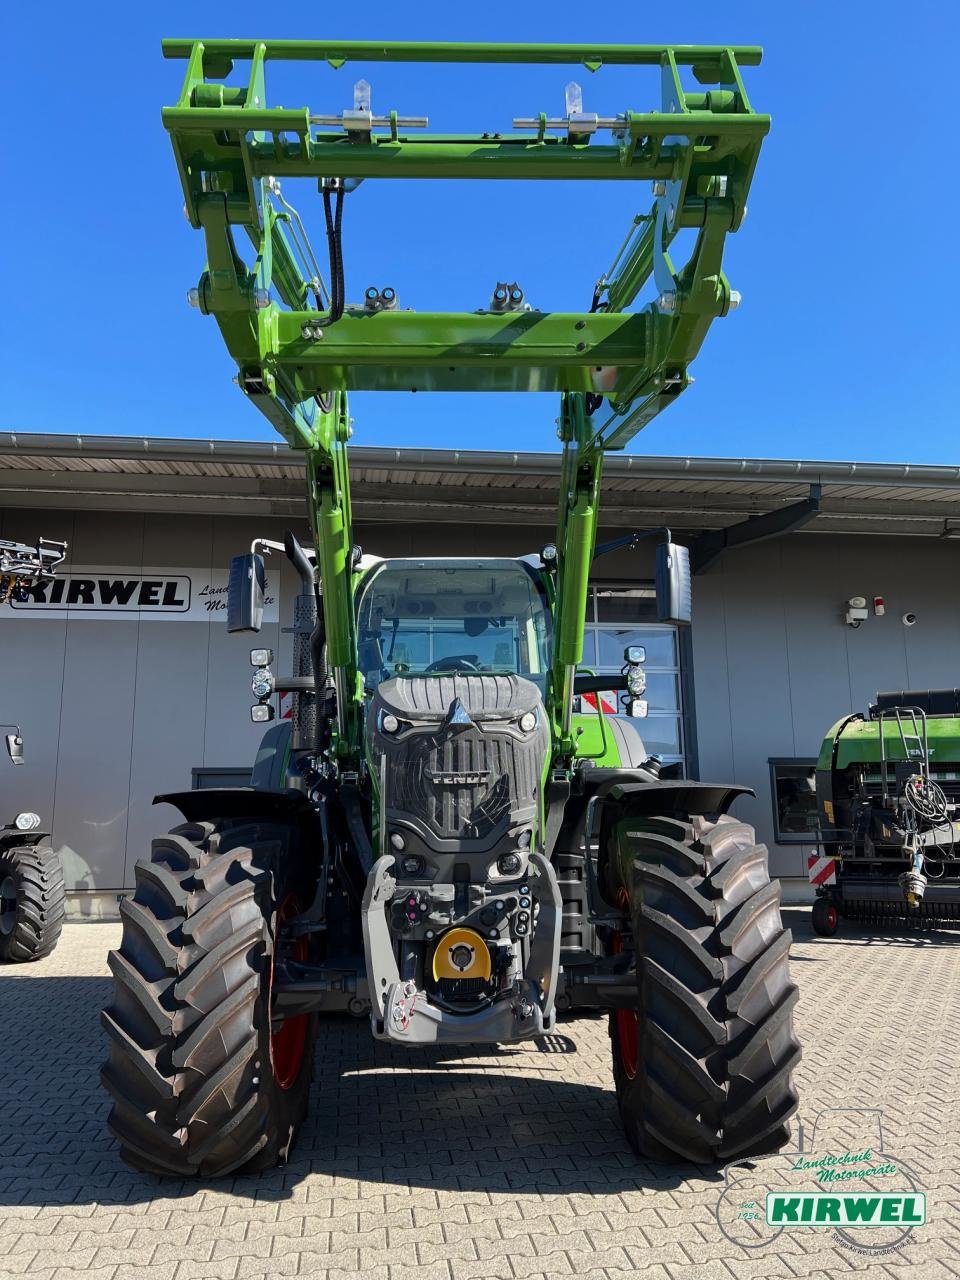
(443, 617)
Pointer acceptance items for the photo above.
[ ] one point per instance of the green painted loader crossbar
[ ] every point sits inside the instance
(300, 346)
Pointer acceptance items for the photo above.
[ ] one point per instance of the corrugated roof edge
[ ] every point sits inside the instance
(488, 461)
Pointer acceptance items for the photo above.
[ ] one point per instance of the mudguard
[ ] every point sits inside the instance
(11, 838)
(237, 802)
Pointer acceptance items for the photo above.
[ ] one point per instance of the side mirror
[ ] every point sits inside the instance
(15, 747)
(674, 589)
(245, 593)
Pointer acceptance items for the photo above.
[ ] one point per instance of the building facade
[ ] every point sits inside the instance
(127, 684)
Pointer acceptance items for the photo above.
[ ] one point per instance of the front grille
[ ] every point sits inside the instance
(459, 767)
(464, 783)
(948, 779)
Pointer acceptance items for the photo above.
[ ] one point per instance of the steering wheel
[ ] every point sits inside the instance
(452, 664)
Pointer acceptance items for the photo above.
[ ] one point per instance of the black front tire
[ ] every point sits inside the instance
(32, 905)
(825, 918)
(703, 1066)
(191, 1072)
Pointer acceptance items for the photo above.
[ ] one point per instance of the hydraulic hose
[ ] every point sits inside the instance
(334, 222)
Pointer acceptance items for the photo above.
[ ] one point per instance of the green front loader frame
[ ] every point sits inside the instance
(615, 368)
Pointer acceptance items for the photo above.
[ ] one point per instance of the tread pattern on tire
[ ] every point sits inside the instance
(715, 1000)
(38, 872)
(189, 1069)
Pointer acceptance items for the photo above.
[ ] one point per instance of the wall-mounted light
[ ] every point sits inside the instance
(856, 611)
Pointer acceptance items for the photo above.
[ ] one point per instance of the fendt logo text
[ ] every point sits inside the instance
(814, 1209)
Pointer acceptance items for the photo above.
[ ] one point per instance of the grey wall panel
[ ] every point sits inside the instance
(168, 726)
(94, 763)
(32, 655)
(178, 541)
(932, 646)
(811, 584)
(712, 679)
(761, 710)
(22, 524)
(107, 540)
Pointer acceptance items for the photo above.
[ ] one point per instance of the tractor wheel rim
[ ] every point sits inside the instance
(831, 917)
(627, 1021)
(8, 905)
(288, 1039)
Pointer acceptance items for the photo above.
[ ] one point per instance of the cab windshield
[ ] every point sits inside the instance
(442, 616)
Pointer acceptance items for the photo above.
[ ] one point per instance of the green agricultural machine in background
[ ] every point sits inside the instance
(31, 872)
(888, 808)
(438, 842)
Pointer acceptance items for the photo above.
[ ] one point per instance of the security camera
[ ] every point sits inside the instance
(909, 619)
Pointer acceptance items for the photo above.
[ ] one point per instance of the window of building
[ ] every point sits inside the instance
(228, 777)
(793, 786)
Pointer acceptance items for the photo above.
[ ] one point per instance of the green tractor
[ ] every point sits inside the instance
(888, 790)
(31, 871)
(439, 841)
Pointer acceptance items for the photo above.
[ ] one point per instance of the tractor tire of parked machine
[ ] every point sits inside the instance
(31, 900)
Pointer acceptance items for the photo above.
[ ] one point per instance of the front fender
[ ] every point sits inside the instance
(680, 796)
(236, 802)
(13, 839)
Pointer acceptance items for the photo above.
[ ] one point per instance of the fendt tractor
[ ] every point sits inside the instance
(438, 842)
(31, 871)
(888, 808)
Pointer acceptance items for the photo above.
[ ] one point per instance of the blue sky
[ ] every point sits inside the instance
(845, 346)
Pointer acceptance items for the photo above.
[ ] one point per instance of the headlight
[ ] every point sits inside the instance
(261, 657)
(262, 684)
(636, 681)
(262, 713)
(528, 721)
(27, 821)
(389, 724)
(397, 841)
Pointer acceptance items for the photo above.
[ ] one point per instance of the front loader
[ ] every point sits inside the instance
(31, 871)
(439, 841)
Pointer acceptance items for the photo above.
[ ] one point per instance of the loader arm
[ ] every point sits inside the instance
(299, 349)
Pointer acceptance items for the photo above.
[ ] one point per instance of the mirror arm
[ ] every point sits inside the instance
(630, 540)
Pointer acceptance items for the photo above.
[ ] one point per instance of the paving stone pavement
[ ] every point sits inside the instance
(504, 1165)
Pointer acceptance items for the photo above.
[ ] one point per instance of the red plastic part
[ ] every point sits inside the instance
(288, 1041)
(628, 1024)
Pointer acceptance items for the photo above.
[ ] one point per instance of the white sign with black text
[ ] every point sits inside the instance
(168, 595)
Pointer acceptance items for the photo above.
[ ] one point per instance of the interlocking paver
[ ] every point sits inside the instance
(499, 1164)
